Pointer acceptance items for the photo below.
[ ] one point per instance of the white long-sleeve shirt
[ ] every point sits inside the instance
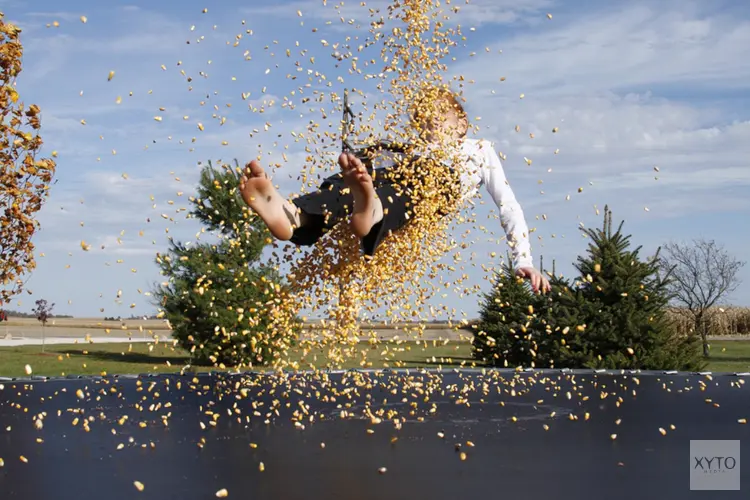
(481, 166)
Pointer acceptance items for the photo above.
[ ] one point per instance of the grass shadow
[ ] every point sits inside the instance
(129, 357)
(454, 361)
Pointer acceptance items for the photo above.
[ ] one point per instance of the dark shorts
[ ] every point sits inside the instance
(328, 206)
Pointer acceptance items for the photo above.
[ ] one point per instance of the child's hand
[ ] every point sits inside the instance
(538, 281)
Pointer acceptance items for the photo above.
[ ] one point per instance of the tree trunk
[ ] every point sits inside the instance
(700, 326)
(43, 338)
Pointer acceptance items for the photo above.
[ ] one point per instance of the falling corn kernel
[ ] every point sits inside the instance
(138, 485)
(222, 493)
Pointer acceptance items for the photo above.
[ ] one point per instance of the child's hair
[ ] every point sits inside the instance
(420, 108)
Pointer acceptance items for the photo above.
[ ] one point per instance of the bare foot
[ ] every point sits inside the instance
(258, 192)
(359, 182)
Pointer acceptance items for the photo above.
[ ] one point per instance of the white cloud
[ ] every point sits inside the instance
(639, 45)
(629, 87)
(581, 78)
(475, 13)
(56, 15)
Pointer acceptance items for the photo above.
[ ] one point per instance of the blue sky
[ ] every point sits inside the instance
(629, 85)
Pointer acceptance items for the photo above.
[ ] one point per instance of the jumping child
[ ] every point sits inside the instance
(379, 206)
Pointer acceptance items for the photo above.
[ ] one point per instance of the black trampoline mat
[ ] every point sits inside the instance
(167, 441)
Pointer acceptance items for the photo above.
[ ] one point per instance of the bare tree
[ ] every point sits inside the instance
(702, 274)
(43, 312)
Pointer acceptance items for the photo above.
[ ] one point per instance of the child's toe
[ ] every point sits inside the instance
(343, 160)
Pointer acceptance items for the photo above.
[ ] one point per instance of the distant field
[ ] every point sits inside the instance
(81, 329)
(152, 324)
(730, 321)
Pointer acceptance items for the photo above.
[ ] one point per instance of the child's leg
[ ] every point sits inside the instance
(398, 204)
(396, 207)
(347, 195)
(281, 216)
(376, 208)
(368, 208)
(380, 208)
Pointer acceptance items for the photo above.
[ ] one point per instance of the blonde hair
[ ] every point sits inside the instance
(423, 109)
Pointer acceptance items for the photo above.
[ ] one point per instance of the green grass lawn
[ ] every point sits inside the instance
(729, 356)
(141, 358)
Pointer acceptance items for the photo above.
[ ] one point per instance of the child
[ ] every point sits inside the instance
(379, 206)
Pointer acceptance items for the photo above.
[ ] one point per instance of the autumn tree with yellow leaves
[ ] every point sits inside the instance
(24, 179)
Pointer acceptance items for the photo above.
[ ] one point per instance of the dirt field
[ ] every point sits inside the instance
(80, 328)
(80, 323)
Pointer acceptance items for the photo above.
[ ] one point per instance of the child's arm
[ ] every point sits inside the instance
(511, 214)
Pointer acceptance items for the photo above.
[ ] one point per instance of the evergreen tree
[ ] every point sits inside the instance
(219, 206)
(561, 314)
(500, 339)
(216, 294)
(623, 301)
(613, 316)
(518, 328)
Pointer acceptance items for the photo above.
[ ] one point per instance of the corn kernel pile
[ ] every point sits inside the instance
(400, 277)
(414, 41)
